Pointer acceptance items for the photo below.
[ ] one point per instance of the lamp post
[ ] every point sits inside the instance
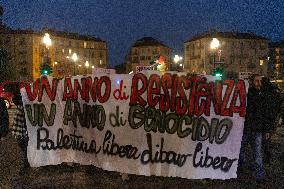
(45, 66)
(177, 59)
(87, 66)
(74, 58)
(214, 45)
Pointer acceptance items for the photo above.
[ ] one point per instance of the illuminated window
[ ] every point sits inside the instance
(261, 62)
(85, 44)
(92, 45)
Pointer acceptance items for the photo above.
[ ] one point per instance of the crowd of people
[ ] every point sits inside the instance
(263, 105)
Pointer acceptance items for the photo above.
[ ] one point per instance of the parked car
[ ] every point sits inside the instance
(8, 89)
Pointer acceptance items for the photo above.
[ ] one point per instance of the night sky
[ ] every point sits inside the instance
(121, 22)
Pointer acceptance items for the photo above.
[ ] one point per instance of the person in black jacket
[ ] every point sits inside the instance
(255, 127)
(272, 99)
(4, 119)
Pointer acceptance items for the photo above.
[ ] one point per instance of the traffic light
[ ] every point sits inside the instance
(45, 69)
(218, 72)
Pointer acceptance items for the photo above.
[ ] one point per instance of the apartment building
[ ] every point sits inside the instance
(27, 52)
(145, 50)
(235, 52)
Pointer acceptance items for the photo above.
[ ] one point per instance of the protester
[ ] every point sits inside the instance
(255, 128)
(272, 99)
(4, 119)
(19, 129)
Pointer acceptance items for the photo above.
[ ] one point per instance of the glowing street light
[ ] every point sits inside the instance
(87, 66)
(46, 40)
(215, 43)
(177, 58)
(45, 67)
(74, 57)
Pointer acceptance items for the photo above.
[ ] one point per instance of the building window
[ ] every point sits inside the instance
(261, 62)
(155, 51)
(23, 72)
(23, 62)
(198, 44)
(187, 47)
(22, 41)
(57, 51)
(135, 59)
(24, 52)
(61, 42)
(262, 45)
(62, 51)
(92, 55)
(101, 55)
(70, 43)
(85, 44)
(149, 57)
(232, 45)
(8, 40)
(92, 45)
(142, 57)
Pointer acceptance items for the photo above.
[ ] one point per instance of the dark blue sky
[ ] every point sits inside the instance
(121, 22)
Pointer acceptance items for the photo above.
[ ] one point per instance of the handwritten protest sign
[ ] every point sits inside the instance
(164, 125)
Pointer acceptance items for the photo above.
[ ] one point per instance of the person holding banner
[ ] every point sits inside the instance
(19, 128)
(254, 128)
(4, 119)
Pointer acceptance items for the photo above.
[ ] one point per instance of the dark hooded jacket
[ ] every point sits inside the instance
(255, 120)
(272, 101)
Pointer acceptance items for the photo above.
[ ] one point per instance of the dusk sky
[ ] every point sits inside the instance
(122, 22)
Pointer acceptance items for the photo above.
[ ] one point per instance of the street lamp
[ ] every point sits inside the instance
(87, 66)
(215, 43)
(45, 67)
(177, 59)
(46, 40)
(74, 58)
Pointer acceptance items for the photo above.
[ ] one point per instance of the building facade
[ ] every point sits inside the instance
(144, 51)
(235, 52)
(27, 52)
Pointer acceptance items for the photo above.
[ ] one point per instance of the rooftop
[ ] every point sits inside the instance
(148, 41)
(52, 32)
(276, 44)
(233, 35)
